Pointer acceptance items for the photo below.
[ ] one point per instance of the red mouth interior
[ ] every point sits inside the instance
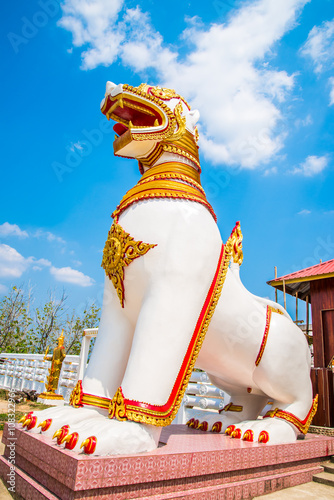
(120, 129)
(143, 117)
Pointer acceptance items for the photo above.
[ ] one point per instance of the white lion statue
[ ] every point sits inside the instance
(173, 301)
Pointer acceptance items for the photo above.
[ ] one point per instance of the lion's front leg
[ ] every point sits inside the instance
(103, 376)
(162, 355)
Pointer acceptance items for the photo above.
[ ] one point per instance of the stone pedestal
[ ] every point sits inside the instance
(52, 399)
(51, 402)
(189, 464)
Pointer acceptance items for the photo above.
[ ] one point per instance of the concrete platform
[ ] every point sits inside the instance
(189, 464)
(307, 491)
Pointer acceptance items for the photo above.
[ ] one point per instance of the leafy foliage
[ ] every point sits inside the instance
(15, 322)
(25, 330)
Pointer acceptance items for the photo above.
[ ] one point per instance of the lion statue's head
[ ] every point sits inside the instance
(151, 121)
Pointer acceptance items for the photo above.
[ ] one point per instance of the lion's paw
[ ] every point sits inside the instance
(50, 420)
(212, 422)
(269, 430)
(110, 437)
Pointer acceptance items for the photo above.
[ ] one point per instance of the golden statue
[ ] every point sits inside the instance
(57, 359)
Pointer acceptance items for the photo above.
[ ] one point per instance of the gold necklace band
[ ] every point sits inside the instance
(173, 167)
(175, 177)
(167, 180)
(184, 146)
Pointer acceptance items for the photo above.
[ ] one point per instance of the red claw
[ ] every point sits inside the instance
(24, 418)
(263, 437)
(203, 426)
(61, 433)
(30, 422)
(236, 434)
(89, 445)
(70, 440)
(45, 425)
(196, 424)
(217, 427)
(248, 435)
(229, 430)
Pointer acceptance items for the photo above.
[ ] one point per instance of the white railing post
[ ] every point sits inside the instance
(87, 336)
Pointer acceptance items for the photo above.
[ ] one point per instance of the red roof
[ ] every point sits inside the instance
(323, 268)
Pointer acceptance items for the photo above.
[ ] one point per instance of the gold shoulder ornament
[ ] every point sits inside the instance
(119, 251)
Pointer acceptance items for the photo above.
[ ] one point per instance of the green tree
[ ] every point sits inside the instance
(15, 322)
(75, 325)
(48, 322)
(26, 331)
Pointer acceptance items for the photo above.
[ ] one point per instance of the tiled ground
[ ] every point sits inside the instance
(307, 491)
(214, 450)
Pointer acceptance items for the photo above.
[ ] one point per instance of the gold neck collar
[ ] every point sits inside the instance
(185, 146)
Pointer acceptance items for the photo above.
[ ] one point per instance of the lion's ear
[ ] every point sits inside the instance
(194, 117)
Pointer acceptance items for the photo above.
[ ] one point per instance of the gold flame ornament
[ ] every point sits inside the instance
(119, 251)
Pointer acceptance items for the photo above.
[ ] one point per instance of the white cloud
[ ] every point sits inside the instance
(13, 264)
(304, 212)
(226, 73)
(270, 171)
(143, 46)
(49, 236)
(43, 262)
(331, 93)
(77, 263)
(40, 263)
(319, 46)
(304, 122)
(93, 24)
(69, 275)
(235, 92)
(7, 229)
(311, 166)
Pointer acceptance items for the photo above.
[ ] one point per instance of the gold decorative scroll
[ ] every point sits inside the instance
(76, 395)
(119, 251)
(117, 407)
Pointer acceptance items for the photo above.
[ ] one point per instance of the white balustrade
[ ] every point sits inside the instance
(30, 372)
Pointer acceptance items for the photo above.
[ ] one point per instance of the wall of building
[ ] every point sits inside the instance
(322, 303)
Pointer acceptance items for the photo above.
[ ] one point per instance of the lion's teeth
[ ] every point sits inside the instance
(110, 87)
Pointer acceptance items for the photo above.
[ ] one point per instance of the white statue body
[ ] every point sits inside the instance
(141, 347)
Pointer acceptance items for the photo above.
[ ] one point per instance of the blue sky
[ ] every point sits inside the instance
(260, 73)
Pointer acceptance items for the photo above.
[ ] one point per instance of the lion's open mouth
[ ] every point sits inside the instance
(120, 129)
(142, 115)
(131, 112)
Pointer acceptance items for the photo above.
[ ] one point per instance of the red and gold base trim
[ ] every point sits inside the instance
(270, 310)
(50, 395)
(302, 425)
(79, 398)
(162, 415)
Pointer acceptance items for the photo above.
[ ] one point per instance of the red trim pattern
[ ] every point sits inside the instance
(302, 425)
(265, 337)
(79, 398)
(162, 415)
(270, 310)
